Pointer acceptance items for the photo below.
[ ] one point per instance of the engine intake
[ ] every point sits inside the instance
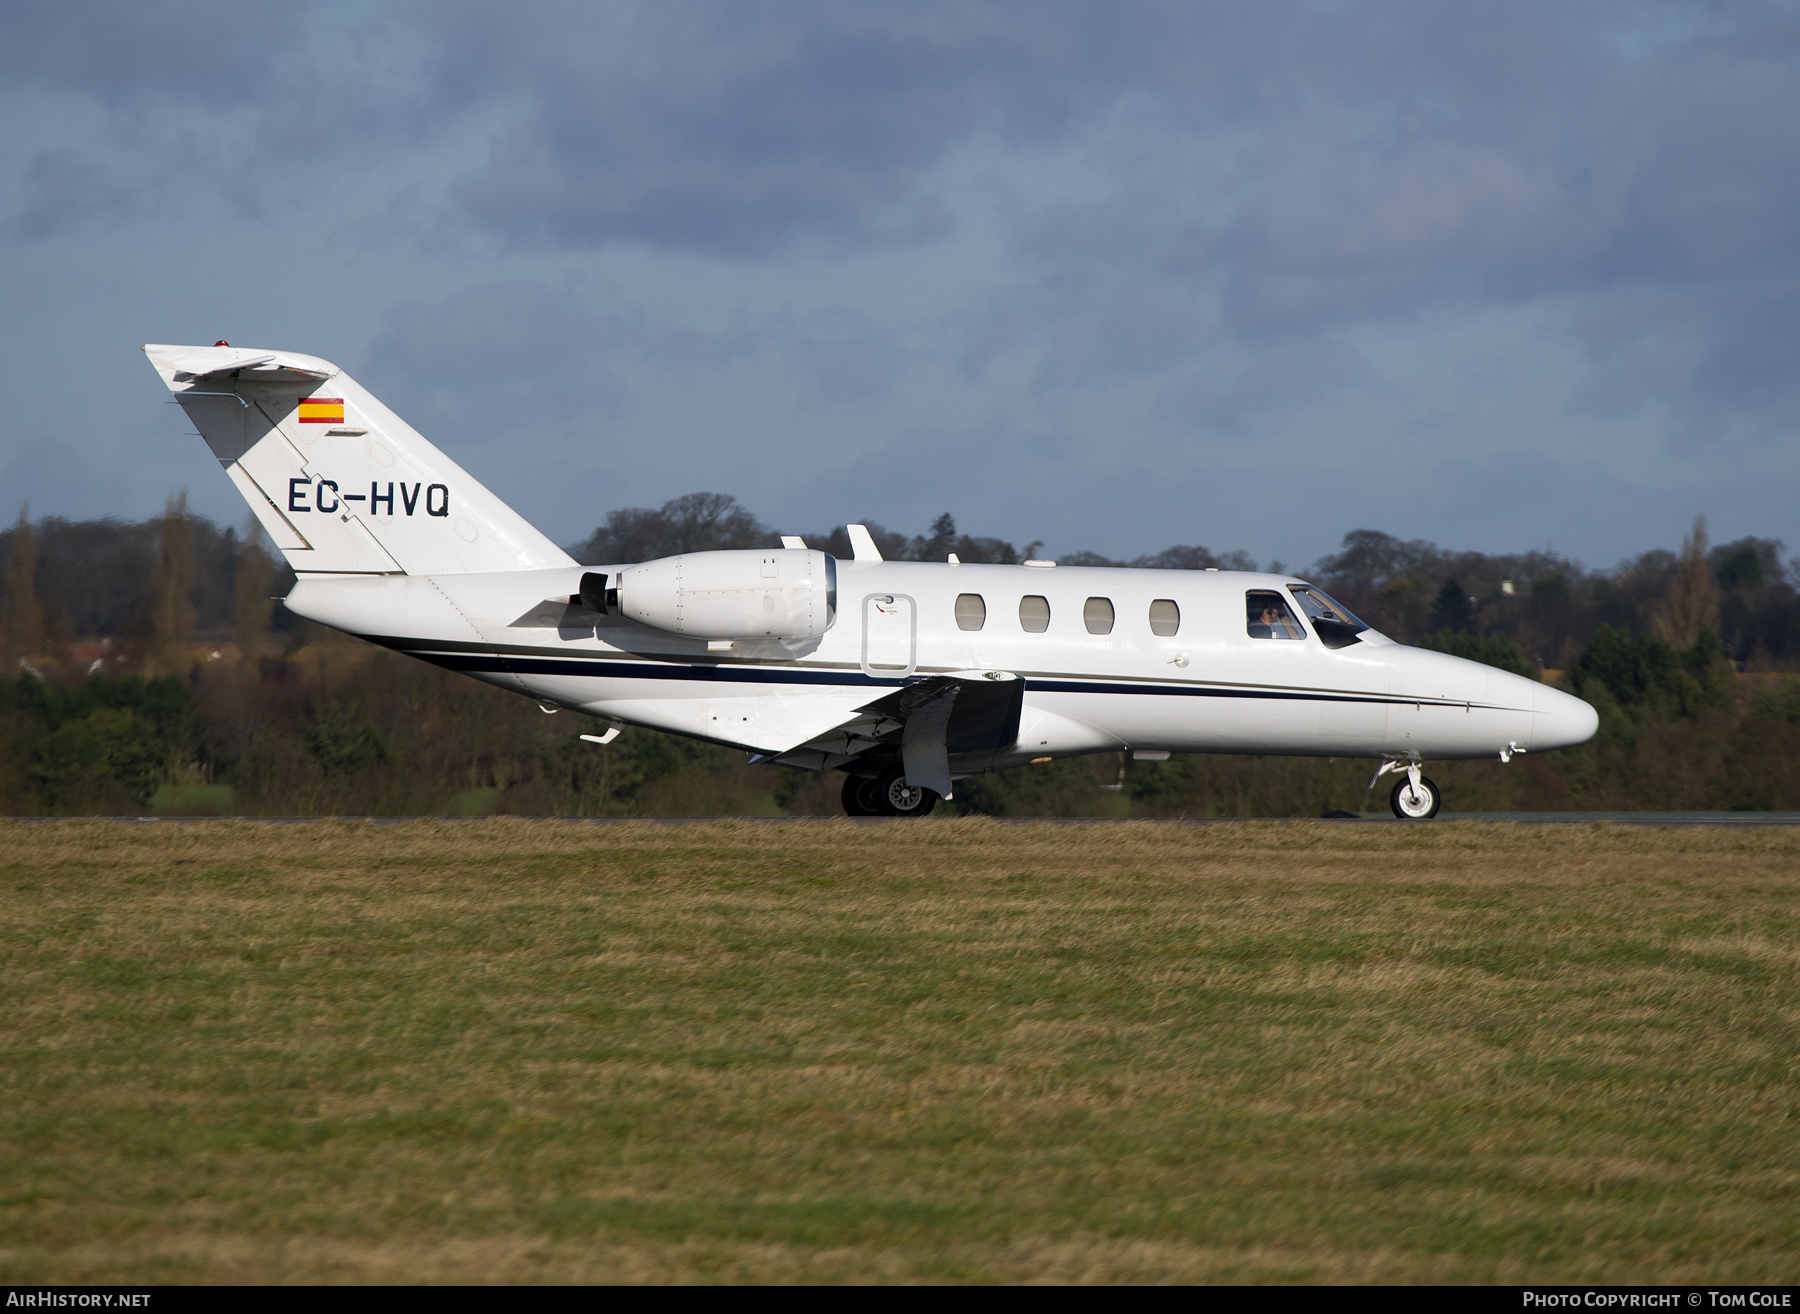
(781, 593)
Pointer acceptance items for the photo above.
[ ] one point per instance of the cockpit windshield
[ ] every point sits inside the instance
(1331, 620)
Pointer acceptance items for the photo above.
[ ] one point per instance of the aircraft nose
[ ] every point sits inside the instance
(1563, 721)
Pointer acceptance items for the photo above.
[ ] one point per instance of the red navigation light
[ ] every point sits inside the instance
(221, 343)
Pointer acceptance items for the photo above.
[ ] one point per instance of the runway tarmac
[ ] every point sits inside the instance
(1738, 820)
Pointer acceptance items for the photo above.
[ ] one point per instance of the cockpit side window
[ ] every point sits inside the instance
(1268, 616)
(1331, 620)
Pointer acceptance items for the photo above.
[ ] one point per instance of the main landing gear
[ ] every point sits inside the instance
(859, 797)
(886, 795)
(1414, 798)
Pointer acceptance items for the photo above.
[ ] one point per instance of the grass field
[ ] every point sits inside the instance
(941, 1050)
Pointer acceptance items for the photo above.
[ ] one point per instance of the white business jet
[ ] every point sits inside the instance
(905, 675)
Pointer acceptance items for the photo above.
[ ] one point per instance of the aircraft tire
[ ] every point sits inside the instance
(896, 798)
(859, 797)
(1409, 808)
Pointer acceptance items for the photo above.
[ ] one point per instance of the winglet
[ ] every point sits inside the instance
(862, 546)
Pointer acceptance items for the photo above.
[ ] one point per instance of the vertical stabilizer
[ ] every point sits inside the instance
(340, 483)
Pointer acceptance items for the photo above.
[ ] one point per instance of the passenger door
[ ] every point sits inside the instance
(890, 635)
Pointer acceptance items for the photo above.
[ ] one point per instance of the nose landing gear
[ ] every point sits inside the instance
(1414, 798)
(1415, 802)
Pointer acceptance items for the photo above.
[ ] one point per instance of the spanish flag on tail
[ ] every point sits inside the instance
(321, 410)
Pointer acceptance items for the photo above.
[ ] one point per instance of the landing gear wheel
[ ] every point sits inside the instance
(896, 798)
(1415, 805)
(859, 797)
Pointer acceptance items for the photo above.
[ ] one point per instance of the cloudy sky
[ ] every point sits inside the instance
(1112, 276)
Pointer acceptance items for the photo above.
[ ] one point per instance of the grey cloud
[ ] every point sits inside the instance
(1712, 352)
(61, 191)
(1349, 241)
(716, 126)
(213, 51)
(1751, 357)
(498, 357)
(1290, 170)
(1393, 160)
(491, 360)
(228, 94)
(1271, 180)
(1117, 288)
(843, 356)
(1672, 170)
(1379, 154)
(1266, 374)
(62, 482)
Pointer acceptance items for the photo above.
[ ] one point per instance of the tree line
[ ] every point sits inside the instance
(1548, 605)
(148, 666)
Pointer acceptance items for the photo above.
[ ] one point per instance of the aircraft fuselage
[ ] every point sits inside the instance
(1204, 685)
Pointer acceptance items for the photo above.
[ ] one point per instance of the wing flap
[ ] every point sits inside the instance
(985, 716)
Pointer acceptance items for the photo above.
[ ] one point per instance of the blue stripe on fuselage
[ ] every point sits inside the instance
(472, 663)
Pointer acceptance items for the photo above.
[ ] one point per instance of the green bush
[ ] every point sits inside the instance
(1651, 676)
(1781, 703)
(578, 778)
(166, 702)
(110, 746)
(342, 743)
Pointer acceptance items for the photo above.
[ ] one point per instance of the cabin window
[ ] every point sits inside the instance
(1165, 617)
(1034, 614)
(1331, 620)
(1097, 615)
(971, 611)
(1268, 616)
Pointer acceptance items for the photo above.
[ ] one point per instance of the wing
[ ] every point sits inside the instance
(961, 712)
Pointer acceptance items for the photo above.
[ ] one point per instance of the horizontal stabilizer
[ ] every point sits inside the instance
(204, 362)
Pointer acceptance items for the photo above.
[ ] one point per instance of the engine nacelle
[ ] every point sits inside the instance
(782, 593)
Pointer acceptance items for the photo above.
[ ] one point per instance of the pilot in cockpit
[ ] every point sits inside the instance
(1268, 617)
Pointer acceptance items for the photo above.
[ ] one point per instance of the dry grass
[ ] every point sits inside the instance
(944, 1050)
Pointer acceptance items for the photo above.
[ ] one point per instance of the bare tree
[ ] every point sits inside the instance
(1692, 602)
(172, 587)
(253, 605)
(22, 626)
